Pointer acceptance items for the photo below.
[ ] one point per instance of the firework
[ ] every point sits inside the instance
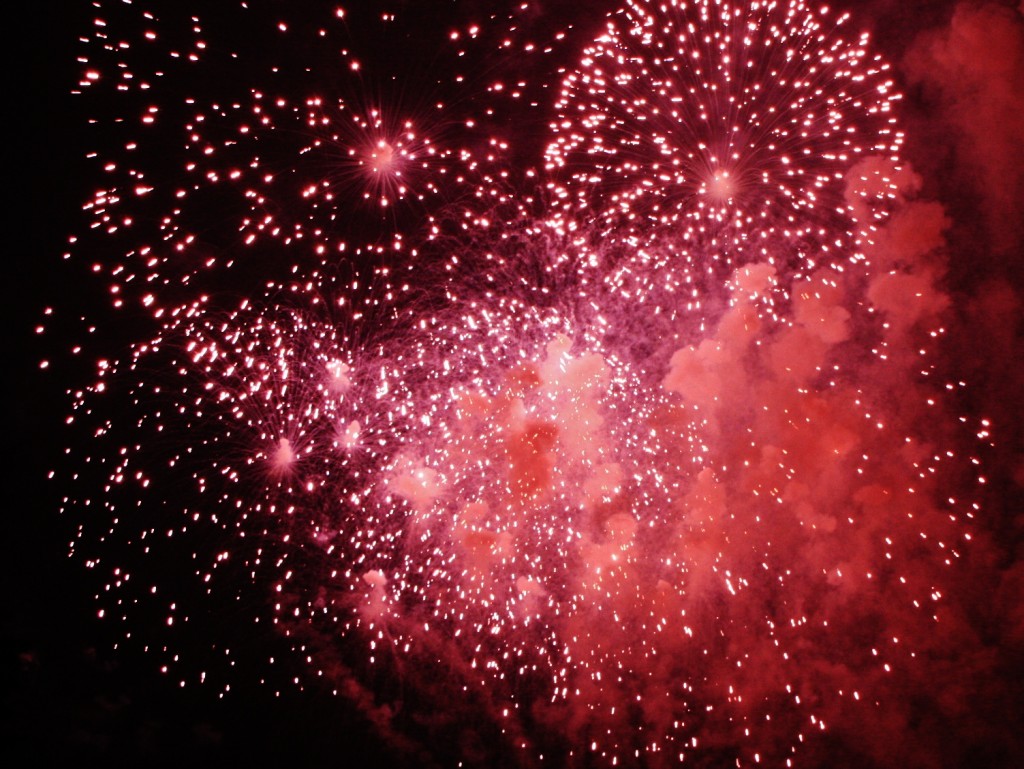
(621, 461)
(726, 127)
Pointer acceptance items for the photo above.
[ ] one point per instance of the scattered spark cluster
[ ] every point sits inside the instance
(626, 454)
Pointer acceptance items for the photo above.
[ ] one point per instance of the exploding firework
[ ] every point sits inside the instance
(731, 125)
(626, 461)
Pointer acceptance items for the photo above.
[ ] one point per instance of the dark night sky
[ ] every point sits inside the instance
(67, 696)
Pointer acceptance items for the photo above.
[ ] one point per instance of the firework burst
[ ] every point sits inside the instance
(612, 462)
(728, 125)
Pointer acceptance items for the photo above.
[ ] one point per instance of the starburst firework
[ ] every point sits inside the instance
(619, 457)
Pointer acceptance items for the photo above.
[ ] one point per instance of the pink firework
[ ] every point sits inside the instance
(729, 124)
(627, 461)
